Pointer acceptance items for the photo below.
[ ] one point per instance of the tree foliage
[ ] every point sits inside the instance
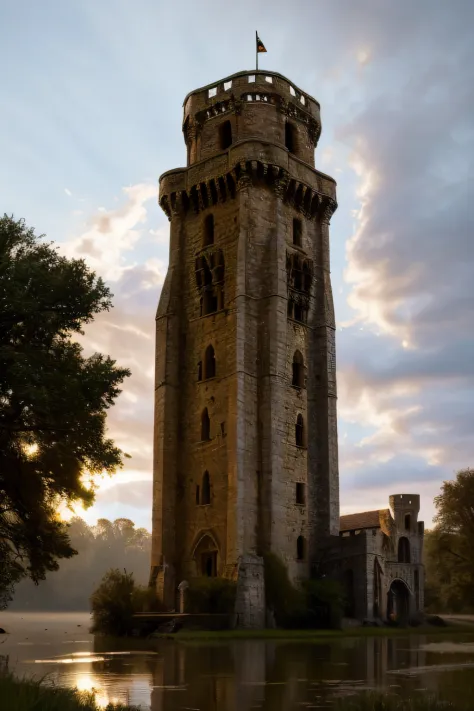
(53, 400)
(108, 544)
(449, 549)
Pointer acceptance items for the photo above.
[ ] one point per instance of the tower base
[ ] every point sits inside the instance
(250, 597)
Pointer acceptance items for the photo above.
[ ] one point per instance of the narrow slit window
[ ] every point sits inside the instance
(290, 137)
(225, 135)
(206, 489)
(205, 426)
(407, 522)
(300, 548)
(208, 235)
(299, 431)
(297, 232)
(209, 363)
(298, 370)
(300, 494)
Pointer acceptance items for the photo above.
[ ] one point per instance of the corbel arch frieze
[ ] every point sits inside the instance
(220, 188)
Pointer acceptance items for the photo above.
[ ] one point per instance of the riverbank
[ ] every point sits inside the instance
(312, 635)
(26, 694)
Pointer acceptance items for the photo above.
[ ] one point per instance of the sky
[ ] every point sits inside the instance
(91, 115)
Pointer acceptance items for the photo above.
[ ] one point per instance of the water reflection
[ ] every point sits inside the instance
(240, 675)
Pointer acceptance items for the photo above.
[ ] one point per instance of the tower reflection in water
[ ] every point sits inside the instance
(250, 674)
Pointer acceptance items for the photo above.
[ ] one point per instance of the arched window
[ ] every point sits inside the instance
(208, 234)
(298, 370)
(206, 489)
(403, 550)
(225, 135)
(205, 425)
(300, 548)
(209, 363)
(299, 431)
(297, 232)
(290, 137)
(407, 522)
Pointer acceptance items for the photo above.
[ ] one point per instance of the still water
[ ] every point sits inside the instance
(236, 675)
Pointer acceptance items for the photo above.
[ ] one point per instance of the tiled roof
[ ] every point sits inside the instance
(367, 519)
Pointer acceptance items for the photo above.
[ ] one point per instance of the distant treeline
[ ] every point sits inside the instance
(116, 544)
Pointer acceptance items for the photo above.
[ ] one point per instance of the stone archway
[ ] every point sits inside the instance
(206, 555)
(398, 602)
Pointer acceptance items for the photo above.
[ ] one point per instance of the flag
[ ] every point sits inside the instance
(260, 45)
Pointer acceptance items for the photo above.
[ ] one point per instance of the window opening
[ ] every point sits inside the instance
(205, 426)
(292, 91)
(269, 80)
(227, 85)
(300, 493)
(209, 363)
(299, 431)
(212, 92)
(298, 370)
(290, 137)
(407, 522)
(225, 135)
(208, 236)
(403, 550)
(251, 78)
(297, 232)
(206, 489)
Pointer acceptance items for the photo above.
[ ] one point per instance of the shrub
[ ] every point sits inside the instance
(211, 595)
(325, 601)
(116, 600)
(316, 604)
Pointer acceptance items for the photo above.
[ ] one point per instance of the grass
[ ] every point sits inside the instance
(29, 694)
(389, 702)
(310, 635)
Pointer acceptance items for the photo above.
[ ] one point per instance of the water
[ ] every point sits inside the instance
(236, 675)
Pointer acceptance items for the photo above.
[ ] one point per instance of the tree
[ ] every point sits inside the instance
(449, 550)
(53, 400)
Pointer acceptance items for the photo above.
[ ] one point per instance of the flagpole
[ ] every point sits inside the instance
(256, 50)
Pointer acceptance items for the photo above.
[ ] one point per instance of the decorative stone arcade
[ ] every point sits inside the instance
(245, 438)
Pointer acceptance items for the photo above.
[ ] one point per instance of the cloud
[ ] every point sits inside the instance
(68, 192)
(407, 379)
(112, 235)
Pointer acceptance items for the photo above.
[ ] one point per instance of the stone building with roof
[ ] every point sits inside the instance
(378, 558)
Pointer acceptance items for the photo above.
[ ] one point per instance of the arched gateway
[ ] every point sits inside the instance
(398, 601)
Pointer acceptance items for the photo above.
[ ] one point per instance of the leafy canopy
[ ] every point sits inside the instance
(449, 549)
(53, 400)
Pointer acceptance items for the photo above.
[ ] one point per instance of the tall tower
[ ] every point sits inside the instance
(245, 440)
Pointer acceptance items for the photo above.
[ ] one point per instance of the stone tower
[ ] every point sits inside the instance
(245, 439)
